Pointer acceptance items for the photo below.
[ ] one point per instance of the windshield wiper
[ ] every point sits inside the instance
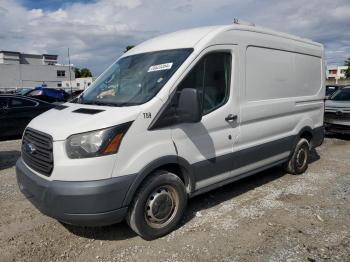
(107, 104)
(126, 104)
(100, 103)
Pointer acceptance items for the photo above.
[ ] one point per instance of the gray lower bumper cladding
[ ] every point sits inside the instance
(87, 203)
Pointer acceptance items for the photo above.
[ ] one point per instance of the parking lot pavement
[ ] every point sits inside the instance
(270, 216)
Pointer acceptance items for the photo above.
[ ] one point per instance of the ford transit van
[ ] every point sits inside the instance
(174, 117)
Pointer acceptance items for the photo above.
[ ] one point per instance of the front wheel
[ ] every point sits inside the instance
(299, 161)
(158, 206)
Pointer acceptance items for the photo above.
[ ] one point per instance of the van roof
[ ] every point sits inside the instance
(188, 38)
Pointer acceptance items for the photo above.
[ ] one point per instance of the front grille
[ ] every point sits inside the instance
(37, 151)
(339, 116)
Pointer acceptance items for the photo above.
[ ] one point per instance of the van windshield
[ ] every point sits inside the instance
(342, 95)
(134, 80)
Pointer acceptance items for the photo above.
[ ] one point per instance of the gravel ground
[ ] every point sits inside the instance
(271, 216)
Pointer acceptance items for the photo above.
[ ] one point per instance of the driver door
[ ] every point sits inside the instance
(208, 144)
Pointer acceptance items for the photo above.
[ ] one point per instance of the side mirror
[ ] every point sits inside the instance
(189, 109)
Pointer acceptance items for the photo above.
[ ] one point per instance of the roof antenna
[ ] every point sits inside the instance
(237, 21)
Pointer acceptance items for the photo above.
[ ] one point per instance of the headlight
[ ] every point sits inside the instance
(96, 143)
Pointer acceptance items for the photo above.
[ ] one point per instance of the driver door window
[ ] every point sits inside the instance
(211, 77)
(19, 103)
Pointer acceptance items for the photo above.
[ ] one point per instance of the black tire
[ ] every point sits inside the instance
(158, 205)
(299, 161)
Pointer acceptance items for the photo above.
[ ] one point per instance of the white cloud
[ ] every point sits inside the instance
(35, 13)
(342, 12)
(59, 15)
(97, 32)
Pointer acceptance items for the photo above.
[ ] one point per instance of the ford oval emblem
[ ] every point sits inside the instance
(339, 113)
(29, 148)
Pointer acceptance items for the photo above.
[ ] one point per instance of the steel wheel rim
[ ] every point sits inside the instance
(301, 157)
(161, 206)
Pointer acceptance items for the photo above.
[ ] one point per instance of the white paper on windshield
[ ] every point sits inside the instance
(160, 67)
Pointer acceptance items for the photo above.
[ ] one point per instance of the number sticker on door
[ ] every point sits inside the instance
(147, 115)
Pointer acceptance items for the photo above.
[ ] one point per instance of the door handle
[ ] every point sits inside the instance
(231, 118)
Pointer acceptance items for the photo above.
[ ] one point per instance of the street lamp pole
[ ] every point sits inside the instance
(70, 74)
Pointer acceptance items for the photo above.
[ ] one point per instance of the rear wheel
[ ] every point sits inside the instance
(158, 205)
(299, 161)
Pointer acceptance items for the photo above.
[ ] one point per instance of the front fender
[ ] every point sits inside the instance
(187, 174)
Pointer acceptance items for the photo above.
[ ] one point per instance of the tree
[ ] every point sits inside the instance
(347, 72)
(84, 72)
(127, 48)
(77, 72)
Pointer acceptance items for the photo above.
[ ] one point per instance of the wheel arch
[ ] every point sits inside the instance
(174, 164)
(305, 132)
(315, 136)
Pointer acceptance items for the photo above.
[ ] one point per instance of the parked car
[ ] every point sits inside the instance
(331, 89)
(16, 112)
(23, 91)
(8, 91)
(175, 117)
(337, 112)
(49, 95)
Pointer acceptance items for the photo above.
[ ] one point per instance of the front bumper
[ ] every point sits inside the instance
(90, 203)
(336, 128)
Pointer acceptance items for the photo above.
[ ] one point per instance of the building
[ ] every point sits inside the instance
(19, 70)
(78, 83)
(336, 72)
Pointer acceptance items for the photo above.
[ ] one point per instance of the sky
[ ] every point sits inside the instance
(97, 31)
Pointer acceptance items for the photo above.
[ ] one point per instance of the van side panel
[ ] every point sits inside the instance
(283, 93)
(275, 74)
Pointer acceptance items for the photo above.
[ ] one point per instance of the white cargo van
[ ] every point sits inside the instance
(174, 117)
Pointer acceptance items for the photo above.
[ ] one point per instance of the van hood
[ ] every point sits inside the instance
(68, 119)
